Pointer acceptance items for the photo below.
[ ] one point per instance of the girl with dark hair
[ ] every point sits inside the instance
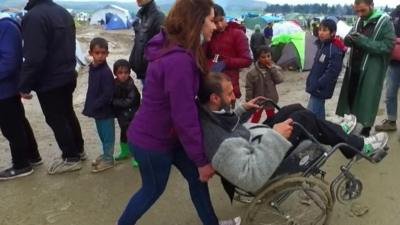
(176, 64)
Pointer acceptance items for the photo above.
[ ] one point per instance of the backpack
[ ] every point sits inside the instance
(395, 55)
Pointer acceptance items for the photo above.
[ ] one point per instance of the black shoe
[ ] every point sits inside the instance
(36, 162)
(12, 173)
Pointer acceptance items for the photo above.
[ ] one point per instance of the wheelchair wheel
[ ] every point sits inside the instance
(293, 200)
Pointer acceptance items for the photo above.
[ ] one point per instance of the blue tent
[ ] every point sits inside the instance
(114, 22)
(229, 18)
(269, 19)
(249, 15)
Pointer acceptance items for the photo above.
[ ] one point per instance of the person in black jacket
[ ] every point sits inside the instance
(257, 39)
(98, 103)
(126, 102)
(48, 31)
(146, 27)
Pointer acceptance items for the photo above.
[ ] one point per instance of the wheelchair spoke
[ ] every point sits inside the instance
(297, 203)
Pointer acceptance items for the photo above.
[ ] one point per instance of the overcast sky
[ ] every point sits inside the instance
(391, 3)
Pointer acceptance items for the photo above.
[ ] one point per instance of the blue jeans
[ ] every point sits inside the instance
(392, 87)
(106, 130)
(154, 170)
(317, 106)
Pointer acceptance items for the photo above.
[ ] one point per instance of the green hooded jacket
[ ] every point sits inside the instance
(374, 64)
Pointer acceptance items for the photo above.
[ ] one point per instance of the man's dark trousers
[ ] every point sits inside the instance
(57, 107)
(17, 130)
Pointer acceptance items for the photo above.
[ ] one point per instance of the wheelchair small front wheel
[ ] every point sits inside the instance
(293, 200)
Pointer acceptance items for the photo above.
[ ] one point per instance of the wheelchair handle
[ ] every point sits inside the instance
(267, 102)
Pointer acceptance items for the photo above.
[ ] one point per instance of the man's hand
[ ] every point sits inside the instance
(27, 96)
(252, 103)
(285, 128)
(206, 172)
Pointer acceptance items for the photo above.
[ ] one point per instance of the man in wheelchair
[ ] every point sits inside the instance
(247, 154)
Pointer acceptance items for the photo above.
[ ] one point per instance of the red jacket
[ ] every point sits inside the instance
(233, 48)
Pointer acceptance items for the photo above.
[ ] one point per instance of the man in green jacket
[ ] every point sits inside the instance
(371, 41)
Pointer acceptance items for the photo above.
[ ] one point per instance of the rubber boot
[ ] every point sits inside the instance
(124, 152)
(134, 163)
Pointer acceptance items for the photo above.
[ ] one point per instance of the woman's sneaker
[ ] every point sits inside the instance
(348, 123)
(375, 146)
(12, 173)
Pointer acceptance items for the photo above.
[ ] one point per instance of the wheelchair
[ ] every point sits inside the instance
(298, 193)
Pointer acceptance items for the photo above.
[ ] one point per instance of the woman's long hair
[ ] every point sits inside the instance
(184, 25)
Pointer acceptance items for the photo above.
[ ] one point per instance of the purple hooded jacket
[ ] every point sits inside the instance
(168, 116)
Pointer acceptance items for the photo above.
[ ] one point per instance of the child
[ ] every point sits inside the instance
(126, 101)
(262, 81)
(98, 104)
(327, 66)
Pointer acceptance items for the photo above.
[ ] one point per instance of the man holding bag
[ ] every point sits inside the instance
(392, 82)
(371, 41)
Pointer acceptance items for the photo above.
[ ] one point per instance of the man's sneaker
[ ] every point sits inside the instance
(36, 162)
(12, 173)
(101, 165)
(375, 144)
(387, 125)
(63, 165)
(348, 123)
(83, 156)
(234, 221)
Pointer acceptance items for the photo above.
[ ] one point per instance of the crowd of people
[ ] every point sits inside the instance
(202, 130)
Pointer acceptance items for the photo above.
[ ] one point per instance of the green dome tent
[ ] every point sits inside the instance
(294, 50)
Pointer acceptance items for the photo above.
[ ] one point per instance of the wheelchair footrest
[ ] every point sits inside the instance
(379, 156)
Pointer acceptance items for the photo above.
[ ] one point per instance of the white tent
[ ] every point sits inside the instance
(116, 10)
(286, 27)
(80, 57)
(342, 29)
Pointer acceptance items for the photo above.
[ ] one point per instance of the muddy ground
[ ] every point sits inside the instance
(83, 198)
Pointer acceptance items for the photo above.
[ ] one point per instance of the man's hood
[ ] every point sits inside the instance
(337, 41)
(33, 3)
(156, 47)
(376, 13)
(227, 120)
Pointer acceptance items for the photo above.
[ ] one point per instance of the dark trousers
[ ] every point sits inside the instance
(17, 130)
(324, 131)
(58, 110)
(123, 125)
(155, 168)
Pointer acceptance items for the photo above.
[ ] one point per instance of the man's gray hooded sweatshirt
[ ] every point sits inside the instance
(245, 154)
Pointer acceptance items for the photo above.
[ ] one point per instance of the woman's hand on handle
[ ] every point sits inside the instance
(206, 172)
